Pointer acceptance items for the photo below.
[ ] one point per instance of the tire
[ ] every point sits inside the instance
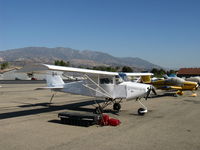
(141, 111)
(116, 106)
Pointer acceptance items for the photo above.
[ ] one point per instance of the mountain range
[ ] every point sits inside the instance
(75, 57)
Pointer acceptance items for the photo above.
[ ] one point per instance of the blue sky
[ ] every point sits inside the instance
(164, 32)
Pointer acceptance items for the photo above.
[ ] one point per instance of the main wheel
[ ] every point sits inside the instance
(141, 111)
(116, 106)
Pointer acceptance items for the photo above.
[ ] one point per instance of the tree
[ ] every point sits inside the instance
(154, 71)
(104, 68)
(127, 69)
(4, 65)
(171, 72)
(61, 63)
(158, 72)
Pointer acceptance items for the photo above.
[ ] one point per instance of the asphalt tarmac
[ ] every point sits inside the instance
(27, 122)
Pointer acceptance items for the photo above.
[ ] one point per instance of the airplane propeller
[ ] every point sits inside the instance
(197, 86)
(151, 88)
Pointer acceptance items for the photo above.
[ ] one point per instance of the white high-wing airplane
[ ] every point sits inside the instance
(112, 86)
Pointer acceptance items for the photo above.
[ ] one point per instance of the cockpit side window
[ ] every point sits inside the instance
(118, 80)
(106, 81)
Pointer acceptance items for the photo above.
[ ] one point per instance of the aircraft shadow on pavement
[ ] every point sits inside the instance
(51, 108)
(192, 101)
(163, 95)
(34, 105)
(71, 124)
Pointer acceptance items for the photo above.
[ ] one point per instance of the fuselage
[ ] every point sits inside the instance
(175, 82)
(135, 90)
(124, 90)
(189, 85)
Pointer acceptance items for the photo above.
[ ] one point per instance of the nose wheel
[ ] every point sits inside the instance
(142, 111)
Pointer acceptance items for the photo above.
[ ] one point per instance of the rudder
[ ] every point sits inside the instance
(54, 80)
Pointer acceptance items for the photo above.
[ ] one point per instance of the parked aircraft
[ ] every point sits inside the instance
(172, 83)
(112, 86)
(194, 79)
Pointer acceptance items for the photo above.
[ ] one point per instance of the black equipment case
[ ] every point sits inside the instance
(79, 119)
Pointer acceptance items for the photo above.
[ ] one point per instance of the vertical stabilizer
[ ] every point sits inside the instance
(54, 81)
(165, 76)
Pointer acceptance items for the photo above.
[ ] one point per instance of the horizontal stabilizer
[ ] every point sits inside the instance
(54, 81)
(49, 88)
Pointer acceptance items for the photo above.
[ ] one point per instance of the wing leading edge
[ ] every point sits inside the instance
(89, 71)
(79, 70)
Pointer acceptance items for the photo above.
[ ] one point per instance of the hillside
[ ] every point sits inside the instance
(76, 57)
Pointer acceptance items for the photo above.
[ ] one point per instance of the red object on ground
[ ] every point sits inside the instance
(106, 120)
(113, 122)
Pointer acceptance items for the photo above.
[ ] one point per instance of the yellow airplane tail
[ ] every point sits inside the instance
(146, 79)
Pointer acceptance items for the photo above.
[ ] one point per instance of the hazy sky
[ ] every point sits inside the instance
(164, 32)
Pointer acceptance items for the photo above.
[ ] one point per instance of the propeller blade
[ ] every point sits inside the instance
(148, 93)
(153, 90)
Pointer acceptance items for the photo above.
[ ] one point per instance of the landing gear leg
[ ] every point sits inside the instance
(193, 93)
(98, 110)
(108, 101)
(179, 92)
(51, 98)
(142, 111)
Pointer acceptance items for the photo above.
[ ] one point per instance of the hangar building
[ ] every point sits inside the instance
(188, 72)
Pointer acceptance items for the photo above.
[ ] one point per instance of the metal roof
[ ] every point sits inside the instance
(189, 71)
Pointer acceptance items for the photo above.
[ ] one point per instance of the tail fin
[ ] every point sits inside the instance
(165, 76)
(54, 81)
(146, 79)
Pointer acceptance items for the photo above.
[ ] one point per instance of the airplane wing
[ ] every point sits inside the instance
(89, 71)
(139, 74)
(144, 77)
(44, 68)
(79, 70)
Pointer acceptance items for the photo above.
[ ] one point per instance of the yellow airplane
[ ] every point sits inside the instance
(172, 83)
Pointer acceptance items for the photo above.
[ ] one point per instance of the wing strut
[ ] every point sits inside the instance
(95, 90)
(106, 93)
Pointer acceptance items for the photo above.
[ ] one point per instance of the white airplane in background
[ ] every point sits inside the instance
(112, 86)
